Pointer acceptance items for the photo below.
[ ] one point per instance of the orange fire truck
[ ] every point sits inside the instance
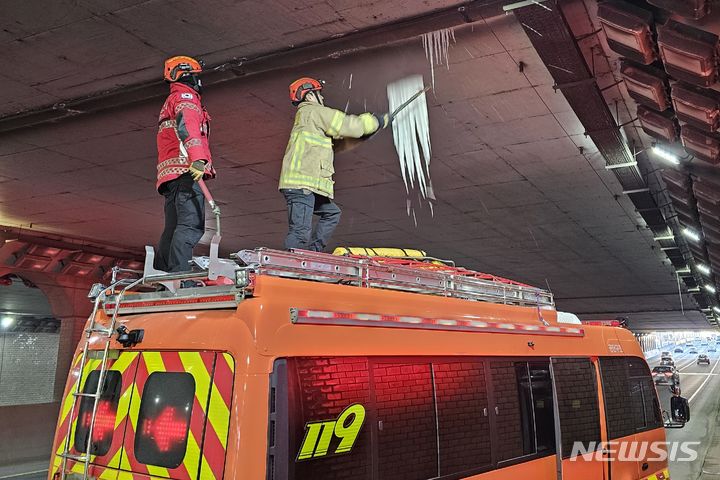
(308, 366)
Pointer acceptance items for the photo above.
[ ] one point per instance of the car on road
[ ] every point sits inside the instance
(712, 350)
(665, 354)
(667, 361)
(666, 374)
(678, 350)
(703, 359)
(692, 351)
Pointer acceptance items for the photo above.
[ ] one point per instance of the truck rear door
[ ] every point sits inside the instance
(179, 416)
(162, 415)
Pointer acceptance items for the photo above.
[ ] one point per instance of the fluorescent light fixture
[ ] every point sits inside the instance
(665, 155)
(710, 288)
(664, 237)
(691, 234)
(703, 269)
(683, 270)
(693, 290)
(7, 322)
(716, 308)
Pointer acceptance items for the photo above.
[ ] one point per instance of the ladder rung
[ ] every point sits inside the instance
(77, 458)
(106, 331)
(86, 395)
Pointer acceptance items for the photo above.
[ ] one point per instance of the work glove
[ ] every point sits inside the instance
(197, 169)
(383, 119)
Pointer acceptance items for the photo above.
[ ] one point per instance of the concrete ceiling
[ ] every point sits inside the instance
(517, 195)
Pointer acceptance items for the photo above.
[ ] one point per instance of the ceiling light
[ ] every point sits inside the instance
(703, 269)
(667, 236)
(716, 308)
(691, 234)
(665, 155)
(7, 322)
(710, 288)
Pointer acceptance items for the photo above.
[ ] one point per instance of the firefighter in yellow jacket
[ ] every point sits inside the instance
(307, 170)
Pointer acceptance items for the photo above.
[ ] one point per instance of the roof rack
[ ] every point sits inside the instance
(374, 273)
(364, 272)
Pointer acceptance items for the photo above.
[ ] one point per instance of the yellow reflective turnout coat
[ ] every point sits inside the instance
(308, 161)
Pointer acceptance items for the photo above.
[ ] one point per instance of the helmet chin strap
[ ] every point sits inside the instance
(192, 81)
(315, 98)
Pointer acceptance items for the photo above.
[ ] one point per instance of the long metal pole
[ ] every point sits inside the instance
(213, 205)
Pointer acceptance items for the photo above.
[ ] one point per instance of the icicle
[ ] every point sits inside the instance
(350, 86)
(437, 45)
(411, 135)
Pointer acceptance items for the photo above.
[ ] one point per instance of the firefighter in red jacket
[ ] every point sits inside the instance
(183, 159)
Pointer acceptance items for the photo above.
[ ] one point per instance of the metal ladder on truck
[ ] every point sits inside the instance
(94, 328)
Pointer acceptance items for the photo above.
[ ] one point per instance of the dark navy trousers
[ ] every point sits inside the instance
(184, 223)
(302, 205)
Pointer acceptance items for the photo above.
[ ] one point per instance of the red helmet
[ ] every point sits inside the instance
(302, 86)
(176, 67)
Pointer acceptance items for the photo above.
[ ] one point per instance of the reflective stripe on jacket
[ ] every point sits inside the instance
(308, 161)
(183, 134)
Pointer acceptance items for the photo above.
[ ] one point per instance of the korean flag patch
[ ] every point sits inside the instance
(186, 95)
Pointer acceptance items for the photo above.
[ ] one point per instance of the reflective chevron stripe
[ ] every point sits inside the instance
(663, 475)
(209, 424)
(125, 364)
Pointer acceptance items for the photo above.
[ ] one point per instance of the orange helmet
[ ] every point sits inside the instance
(302, 86)
(176, 67)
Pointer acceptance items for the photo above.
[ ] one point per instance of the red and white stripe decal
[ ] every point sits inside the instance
(324, 317)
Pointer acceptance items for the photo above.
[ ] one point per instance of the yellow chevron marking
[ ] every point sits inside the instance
(124, 361)
(124, 460)
(206, 472)
(67, 406)
(193, 364)
(192, 454)
(134, 410)
(230, 361)
(219, 416)
(115, 460)
(154, 362)
(108, 474)
(158, 471)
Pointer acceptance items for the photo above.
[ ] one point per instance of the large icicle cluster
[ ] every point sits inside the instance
(411, 135)
(436, 46)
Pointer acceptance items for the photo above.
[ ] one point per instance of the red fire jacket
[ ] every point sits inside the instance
(182, 138)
